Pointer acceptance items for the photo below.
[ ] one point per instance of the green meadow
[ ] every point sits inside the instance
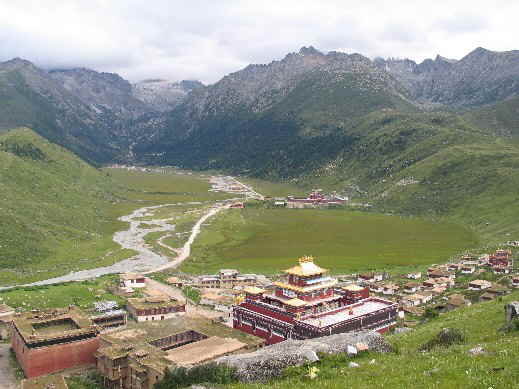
(59, 214)
(82, 294)
(269, 240)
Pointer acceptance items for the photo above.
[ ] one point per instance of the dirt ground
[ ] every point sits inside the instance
(7, 379)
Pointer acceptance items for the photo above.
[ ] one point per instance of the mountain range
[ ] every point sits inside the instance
(410, 137)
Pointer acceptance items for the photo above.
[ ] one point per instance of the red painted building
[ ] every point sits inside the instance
(308, 305)
(47, 342)
(501, 258)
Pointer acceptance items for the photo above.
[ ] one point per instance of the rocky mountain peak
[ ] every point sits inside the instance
(309, 50)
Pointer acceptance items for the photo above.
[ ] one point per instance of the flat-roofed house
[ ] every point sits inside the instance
(50, 341)
(132, 280)
(138, 356)
(159, 307)
(426, 296)
(414, 275)
(390, 289)
(412, 300)
(479, 284)
(457, 301)
(468, 269)
(412, 287)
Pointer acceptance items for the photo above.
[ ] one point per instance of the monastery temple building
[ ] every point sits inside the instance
(308, 304)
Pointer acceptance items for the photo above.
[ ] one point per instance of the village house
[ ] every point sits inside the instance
(441, 274)
(138, 356)
(438, 290)
(426, 296)
(483, 260)
(437, 268)
(500, 269)
(479, 284)
(176, 282)
(468, 269)
(454, 267)
(370, 277)
(413, 310)
(412, 300)
(226, 278)
(501, 259)
(308, 304)
(441, 282)
(45, 342)
(315, 199)
(468, 258)
(132, 280)
(515, 282)
(390, 289)
(157, 307)
(375, 287)
(412, 287)
(108, 315)
(457, 301)
(414, 276)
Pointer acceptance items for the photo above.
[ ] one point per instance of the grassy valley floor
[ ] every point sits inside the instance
(59, 214)
(263, 240)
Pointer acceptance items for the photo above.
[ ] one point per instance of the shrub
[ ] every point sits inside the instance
(445, 338)
(180, 377)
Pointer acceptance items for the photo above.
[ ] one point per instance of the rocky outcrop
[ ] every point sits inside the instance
(269, 362)
(481, 77)
(162, 95)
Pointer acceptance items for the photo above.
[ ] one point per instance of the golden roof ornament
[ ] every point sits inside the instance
(306, 258)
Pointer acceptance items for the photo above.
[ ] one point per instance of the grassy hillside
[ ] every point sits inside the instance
(55, 210)
(501, 118)
(269, 240)
(448, 368)
(430, 164)
(59, 213)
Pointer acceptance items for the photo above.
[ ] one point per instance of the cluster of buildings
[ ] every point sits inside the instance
(434, 286)
(225, 279)
(308, 304)
(316, 199)
(132, 348)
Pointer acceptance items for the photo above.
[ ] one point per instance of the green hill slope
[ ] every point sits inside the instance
(54, 208)
(448, 368)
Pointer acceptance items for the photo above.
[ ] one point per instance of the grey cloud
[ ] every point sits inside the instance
(206, 39)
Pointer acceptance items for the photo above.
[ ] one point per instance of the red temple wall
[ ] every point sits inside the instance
(45, 360)
(259, 333)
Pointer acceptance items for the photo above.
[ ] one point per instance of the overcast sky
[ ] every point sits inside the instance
(205, 40)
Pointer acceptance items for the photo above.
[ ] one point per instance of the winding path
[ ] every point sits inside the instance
(146, 261)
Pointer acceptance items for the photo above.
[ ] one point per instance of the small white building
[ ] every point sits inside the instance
(515, 282)
(412, 287)
(132, 280)
(426, 297)
(468, 269)
(414, 276)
